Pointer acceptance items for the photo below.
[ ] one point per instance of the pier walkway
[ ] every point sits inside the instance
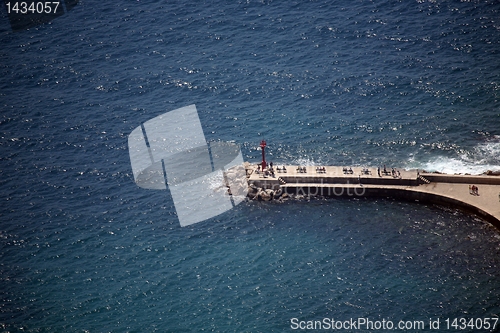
(433, 188)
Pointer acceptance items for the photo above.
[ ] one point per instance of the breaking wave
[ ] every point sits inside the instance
(483, 157)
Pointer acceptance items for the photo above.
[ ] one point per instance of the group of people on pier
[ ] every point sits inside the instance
(395, 173)
(301, 169)
(281, 169)
(320, 169)
(269, 171)
(347, 171)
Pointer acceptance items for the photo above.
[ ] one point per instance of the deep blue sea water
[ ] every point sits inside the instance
(412, 84)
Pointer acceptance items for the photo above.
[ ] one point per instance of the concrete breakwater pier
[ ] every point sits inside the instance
(478, 194)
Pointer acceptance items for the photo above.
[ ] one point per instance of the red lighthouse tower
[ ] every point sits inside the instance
(263, 146)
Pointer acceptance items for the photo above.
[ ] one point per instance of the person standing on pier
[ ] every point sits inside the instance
(474, 190)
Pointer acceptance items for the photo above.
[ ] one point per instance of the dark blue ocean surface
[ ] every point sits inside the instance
(412, 84)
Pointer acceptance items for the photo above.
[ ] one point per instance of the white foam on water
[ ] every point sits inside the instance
(304, 162)
(454, 165)
(215, 183)
(483, 157)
